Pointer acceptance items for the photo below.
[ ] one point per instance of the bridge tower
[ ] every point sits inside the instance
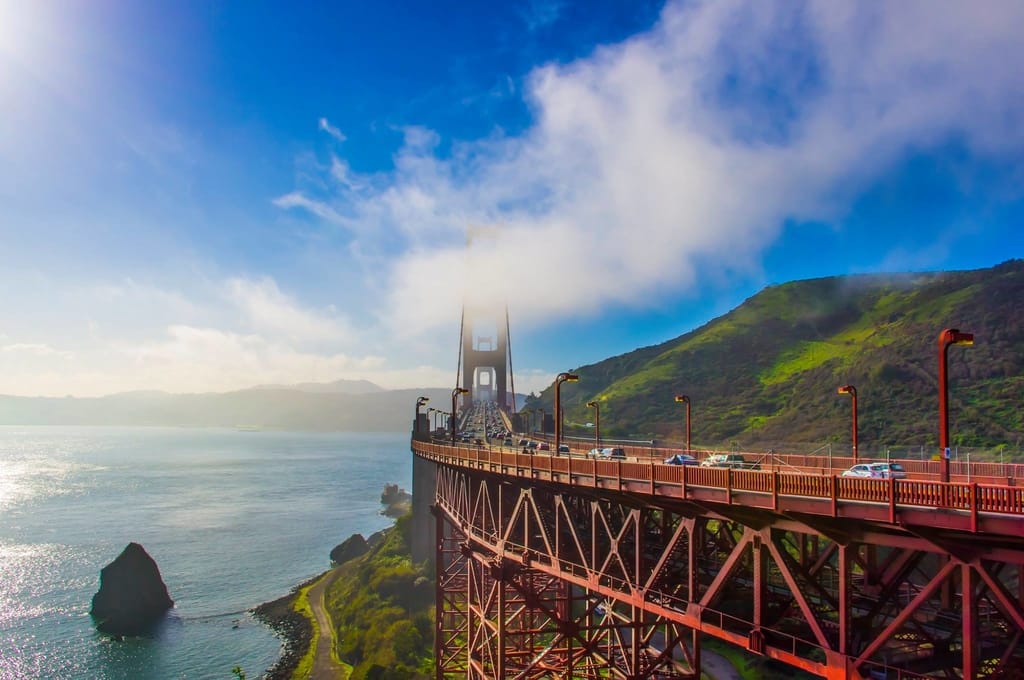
(485, 360)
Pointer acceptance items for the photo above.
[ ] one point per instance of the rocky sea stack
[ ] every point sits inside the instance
(132, 595)
(352, 547)
(396, 501)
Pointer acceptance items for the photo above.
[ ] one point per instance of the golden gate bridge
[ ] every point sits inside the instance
(559, 565)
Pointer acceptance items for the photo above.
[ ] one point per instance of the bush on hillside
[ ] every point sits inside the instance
(381, 606)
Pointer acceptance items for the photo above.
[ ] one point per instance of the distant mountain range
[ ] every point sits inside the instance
(336, 387)
(768, 370)
(341, 405)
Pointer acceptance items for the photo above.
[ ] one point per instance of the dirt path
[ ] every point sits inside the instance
(717, 667)
(324, 666)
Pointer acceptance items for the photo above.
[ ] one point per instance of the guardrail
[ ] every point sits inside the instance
(971, 497)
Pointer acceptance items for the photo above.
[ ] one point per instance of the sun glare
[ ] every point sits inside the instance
(27, 38)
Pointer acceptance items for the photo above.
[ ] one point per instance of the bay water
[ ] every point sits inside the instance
(232, 519)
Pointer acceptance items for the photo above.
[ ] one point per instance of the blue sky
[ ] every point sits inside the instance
(206, 196)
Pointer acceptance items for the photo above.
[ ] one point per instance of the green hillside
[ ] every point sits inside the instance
(767, 372)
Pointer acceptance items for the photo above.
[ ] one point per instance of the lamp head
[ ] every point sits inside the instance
(459, 390)
(847, 389)
(422, 400)
(953, 336)
(592, 404)
(963, 339)
(681, 398)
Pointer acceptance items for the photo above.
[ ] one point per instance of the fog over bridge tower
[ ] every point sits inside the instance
(484, 370)
(485, 362)
(485, 355)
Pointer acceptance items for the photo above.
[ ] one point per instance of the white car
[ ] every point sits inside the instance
(876, 471)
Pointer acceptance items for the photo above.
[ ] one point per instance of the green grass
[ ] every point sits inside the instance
(843, 349)
(301, 606)
(750, 666)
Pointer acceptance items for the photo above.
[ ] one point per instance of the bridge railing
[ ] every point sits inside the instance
(972, 496)
(983, 472)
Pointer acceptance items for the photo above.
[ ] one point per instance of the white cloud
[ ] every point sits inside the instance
(267, 310)
(211, 336)
(34, 350)
(689, 146)
(296, 199)
(326, 126)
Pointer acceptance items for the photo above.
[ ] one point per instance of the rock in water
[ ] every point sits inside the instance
(132, 595)
(351, 548)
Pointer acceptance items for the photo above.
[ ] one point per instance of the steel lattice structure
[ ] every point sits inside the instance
(547, 576)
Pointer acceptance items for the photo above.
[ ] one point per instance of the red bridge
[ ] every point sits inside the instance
(581, 568)
(563, 566)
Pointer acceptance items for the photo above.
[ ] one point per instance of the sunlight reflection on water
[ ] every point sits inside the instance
(231, 519)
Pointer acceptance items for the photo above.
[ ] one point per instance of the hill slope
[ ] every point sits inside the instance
(768, 370)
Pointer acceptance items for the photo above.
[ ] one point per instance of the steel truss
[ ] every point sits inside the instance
(546, 580)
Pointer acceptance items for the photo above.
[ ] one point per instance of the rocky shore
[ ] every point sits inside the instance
(294, 629)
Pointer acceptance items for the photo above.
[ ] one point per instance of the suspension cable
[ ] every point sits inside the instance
(511, 374)
(462, 324)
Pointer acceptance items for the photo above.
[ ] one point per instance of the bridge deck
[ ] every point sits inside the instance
(962, 506)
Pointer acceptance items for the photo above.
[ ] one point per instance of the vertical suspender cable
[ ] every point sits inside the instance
(511, 374)
(462, 330)
(458, 369)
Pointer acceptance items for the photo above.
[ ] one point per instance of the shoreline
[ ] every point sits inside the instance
(294, 630)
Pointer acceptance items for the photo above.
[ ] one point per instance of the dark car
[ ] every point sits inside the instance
(681, 459)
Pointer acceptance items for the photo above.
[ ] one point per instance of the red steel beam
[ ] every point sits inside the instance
(906, 613)
(805, 607)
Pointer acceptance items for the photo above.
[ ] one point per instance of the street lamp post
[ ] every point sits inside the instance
(597, 423)
(559, 379)
(852, 391)
(451, 418)
(419, 403)
(686, 400)
(948, 337)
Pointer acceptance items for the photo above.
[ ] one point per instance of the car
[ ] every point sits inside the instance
(729, 460)
(594, 453)
(612, 452)
(563, 448)
(681, 459)
(524, 442)
(859, 470)
(876, 471)
(894, 470)
(543, 446)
